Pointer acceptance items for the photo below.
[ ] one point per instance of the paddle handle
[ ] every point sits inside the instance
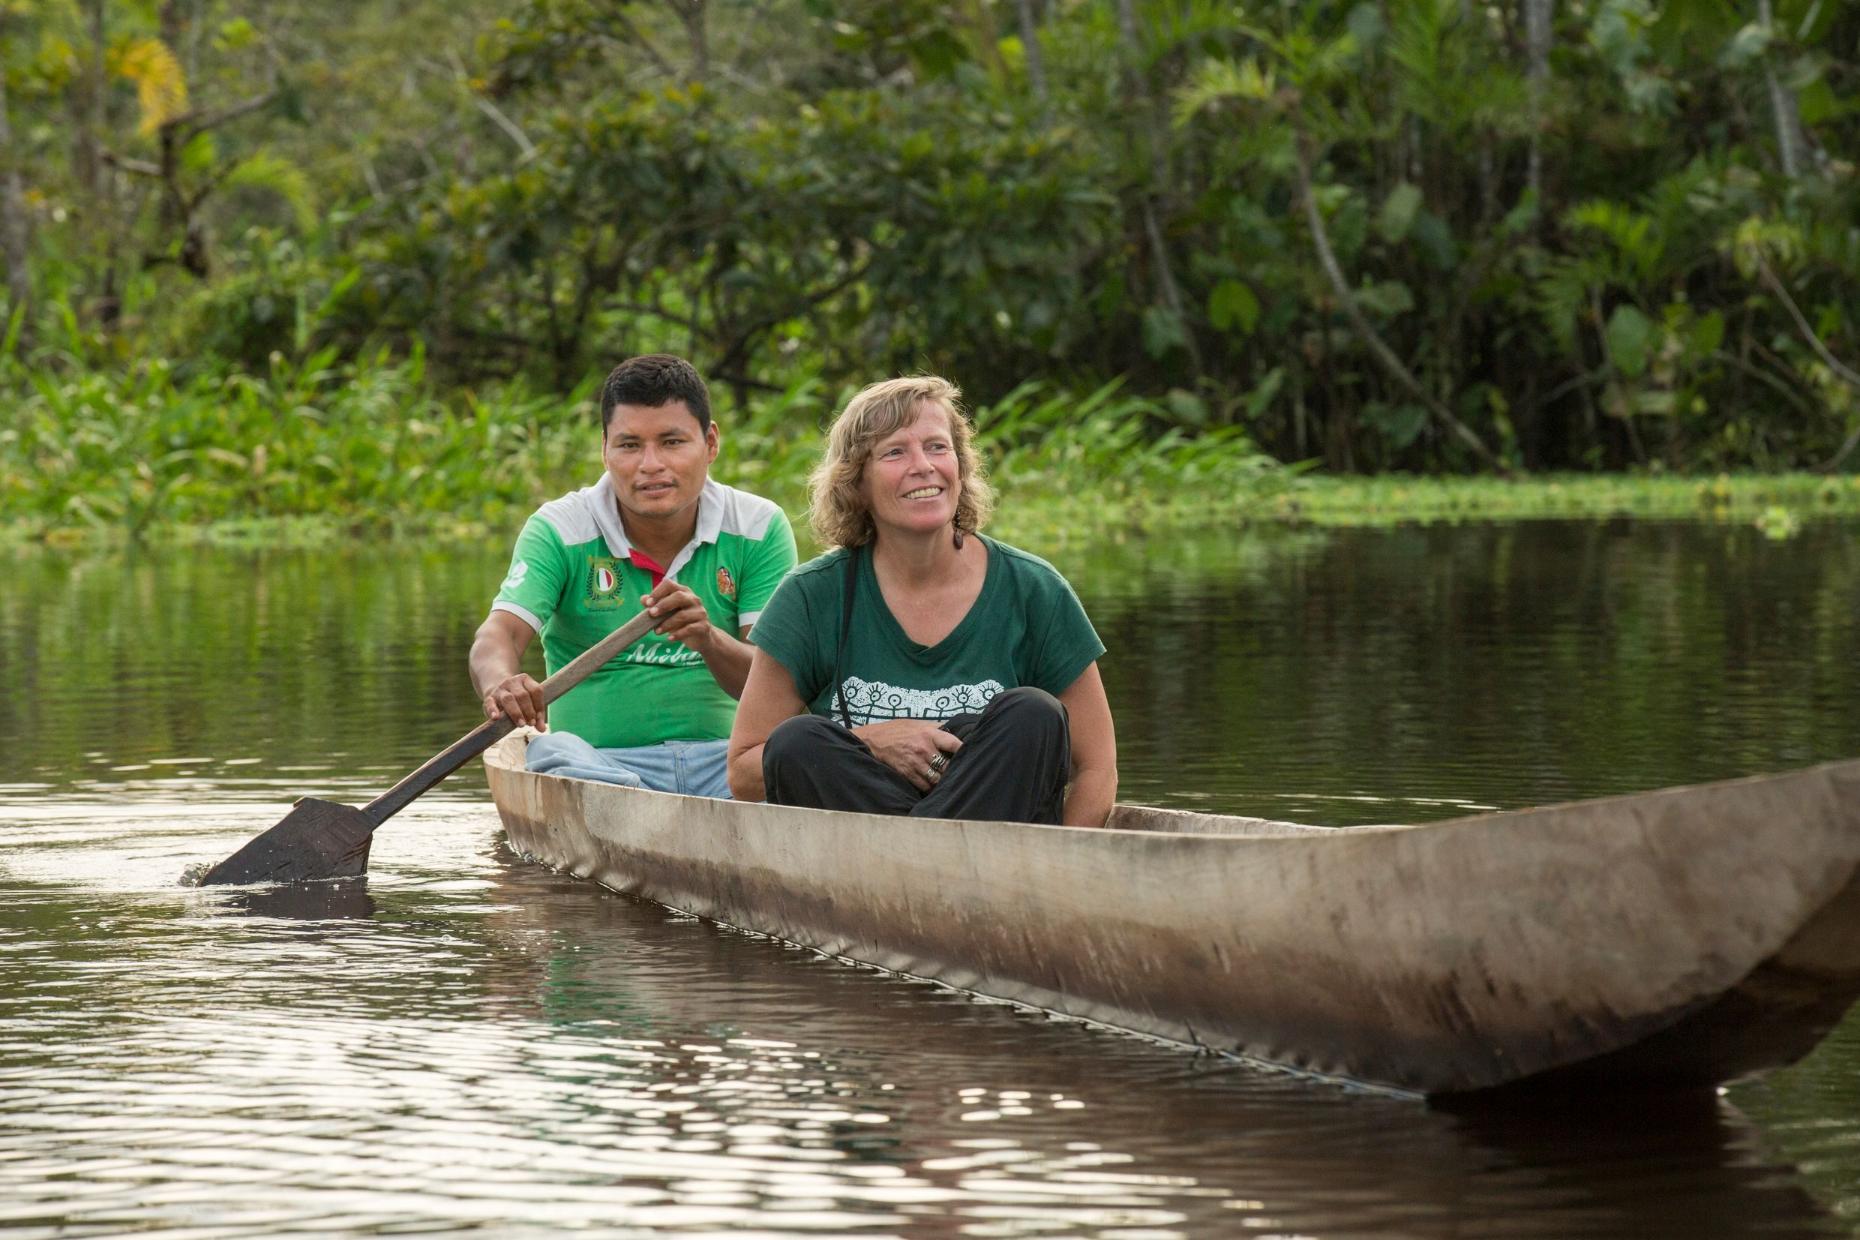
(582, 665)
(491, 731)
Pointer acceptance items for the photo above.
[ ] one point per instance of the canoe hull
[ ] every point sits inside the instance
(1716, 929)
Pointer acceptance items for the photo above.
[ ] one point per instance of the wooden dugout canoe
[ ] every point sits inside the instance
(1673, 939)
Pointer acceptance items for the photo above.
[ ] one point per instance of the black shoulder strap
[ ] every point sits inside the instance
(839, 655)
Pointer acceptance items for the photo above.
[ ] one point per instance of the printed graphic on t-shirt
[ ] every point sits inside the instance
(660, 654)
(870, 701)
(604, 593)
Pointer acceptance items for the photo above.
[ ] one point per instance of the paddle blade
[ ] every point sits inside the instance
(317, 839)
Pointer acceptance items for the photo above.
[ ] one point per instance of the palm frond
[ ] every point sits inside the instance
(267, 170)
(1631, 233)
(1221, 81)
(161, 83)
(1562, 296)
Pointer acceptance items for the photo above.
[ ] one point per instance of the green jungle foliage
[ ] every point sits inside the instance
(265, 258)
(369, 446)
(315, 451)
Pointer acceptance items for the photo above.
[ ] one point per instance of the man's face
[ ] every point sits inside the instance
(657, 460)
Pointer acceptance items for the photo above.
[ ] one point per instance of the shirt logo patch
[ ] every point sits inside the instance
(603, 583)
(726, 584)
(518, 572)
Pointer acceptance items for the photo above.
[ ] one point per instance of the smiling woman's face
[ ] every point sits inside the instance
(913, 478)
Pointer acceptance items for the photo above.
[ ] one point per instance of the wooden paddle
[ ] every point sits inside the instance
(321, 839)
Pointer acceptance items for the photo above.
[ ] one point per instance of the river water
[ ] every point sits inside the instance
(474, 1043)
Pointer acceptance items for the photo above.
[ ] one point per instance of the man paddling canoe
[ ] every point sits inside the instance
(654, 531)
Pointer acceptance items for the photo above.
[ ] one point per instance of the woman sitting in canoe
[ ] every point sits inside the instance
(920, 667)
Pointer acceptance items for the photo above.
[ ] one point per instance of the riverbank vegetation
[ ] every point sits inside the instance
(314, 449)
(365, 261)
(320, 450)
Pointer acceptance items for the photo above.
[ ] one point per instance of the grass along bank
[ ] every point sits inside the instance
(316, 452)
(1776, 503)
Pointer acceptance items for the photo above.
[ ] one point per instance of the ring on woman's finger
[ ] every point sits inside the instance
(932, 774)
(939, 763)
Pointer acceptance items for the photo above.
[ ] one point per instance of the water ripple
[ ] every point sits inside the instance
(468, 1042)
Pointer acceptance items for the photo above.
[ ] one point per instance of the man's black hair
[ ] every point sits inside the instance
(652, 380)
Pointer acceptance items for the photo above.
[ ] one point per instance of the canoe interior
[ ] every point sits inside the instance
(1670, 940)
(1190, 822)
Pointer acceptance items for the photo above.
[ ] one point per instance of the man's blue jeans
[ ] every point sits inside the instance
(692, 768)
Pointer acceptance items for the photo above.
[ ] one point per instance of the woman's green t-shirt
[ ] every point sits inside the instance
(1026, 627)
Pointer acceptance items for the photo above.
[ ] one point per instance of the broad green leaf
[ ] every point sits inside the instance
(1397, 214)
(1802, 72)
(1260, 398)
(1521, 218)
(1163, 332)
(235, 34)
(1434, 240)
(1745, 47)
(56, 63)
(1819, 104)
(1400, 425)
(1232, 305)
(1387, 298)
(200, 154)
(1617, 401)
(1013, 53)
(1188, 408)
(938, 52)
(1366, 25)
(1630, 339)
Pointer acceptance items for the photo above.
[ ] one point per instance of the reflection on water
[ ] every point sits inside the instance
(469, 1042)
(491, 1045)
(1408, 675)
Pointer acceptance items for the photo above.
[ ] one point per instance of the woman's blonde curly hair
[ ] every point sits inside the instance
(839, 514)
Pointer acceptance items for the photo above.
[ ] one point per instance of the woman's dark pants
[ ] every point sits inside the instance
(1015, 759)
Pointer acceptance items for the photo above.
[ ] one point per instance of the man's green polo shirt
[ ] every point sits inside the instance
(572, 580)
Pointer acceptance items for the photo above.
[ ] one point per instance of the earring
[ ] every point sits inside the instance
(958, 537)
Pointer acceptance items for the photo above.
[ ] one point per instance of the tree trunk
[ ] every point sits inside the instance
(1155, 196)
(1155, 107)
(1791, 145)
(1030, 46)
(697, 31)
(173, 25)
(1365, 331)
(1538, 15)
(1841, 370)
(14, 243)
(87, 155)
